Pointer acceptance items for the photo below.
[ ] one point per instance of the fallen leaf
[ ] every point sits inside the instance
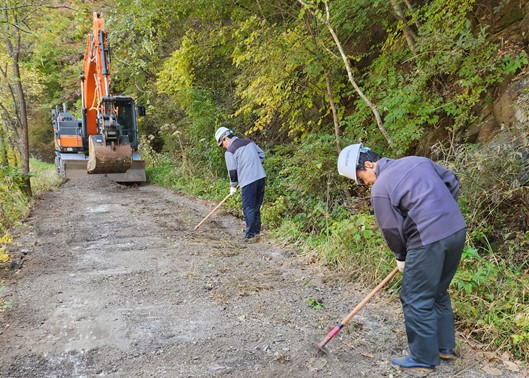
(509, 365)
(492, 371)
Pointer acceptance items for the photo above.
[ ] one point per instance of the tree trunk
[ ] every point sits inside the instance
(409, 34)
(410, 9)
(19, 121)
(4, 157)
(22, 126)
(334, 113)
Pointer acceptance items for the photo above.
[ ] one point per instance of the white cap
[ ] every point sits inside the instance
(348, 161)
(221, 133)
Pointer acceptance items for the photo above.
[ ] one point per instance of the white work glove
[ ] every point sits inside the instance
(400, 265)
(233, 190)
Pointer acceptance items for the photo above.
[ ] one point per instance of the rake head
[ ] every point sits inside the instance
(319, 345)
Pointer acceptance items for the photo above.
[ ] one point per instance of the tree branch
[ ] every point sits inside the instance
(345, 59)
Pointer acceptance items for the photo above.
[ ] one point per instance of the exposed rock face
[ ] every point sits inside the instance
(509, 111)
(503, 114)
(510, 108)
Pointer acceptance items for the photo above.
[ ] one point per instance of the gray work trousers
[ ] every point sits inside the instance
(425, 300)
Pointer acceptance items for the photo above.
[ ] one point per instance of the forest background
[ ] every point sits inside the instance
(447, 79)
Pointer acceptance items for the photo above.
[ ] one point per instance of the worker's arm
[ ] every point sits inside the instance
(231, 165)
(260, 152)
(390, 223)
(449, 178)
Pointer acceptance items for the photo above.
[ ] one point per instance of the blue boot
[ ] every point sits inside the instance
(408, 363)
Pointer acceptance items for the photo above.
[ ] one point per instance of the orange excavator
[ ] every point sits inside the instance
(105, 140)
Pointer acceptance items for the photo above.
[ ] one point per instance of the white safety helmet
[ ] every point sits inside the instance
(221, 133)
(348, 161)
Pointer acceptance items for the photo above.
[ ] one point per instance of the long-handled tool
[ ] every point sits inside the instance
(212, 211)
(335, 330)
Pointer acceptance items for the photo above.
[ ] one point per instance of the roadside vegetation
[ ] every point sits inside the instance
(416, 78)
(490, 292)
(15, 206)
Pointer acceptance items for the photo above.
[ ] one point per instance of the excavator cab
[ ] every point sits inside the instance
(126, 119)
(110, 151)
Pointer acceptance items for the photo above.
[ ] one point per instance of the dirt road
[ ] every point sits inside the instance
(113, 281)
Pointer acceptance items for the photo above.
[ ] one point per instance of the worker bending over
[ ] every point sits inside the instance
(244, 161)
(415, 205)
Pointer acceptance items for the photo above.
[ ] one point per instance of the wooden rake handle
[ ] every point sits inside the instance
(358, 307)
(212, 211)
(369, 296)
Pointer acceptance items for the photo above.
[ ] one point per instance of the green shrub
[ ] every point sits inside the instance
(491, 301)
(494, 197)
(354, 243)
(13, 203)
(491, 287)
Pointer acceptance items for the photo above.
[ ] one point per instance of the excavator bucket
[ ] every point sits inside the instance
(108, 158)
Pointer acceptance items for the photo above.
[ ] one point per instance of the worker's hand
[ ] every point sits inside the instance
(400, 265)
(233, 190)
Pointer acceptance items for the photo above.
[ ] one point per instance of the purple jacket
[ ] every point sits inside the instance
(415, 203)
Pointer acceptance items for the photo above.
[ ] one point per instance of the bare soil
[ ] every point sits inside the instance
(110, 280)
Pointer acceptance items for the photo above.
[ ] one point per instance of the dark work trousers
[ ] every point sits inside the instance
(252, 199)
(425, 300)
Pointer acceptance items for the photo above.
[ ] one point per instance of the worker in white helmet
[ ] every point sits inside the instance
(415, 205)
(244, 161)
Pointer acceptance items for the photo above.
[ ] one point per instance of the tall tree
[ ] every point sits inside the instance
(14, 24)
(26, 58)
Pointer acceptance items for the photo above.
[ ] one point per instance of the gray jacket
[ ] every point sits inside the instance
(244, 160)
(415, 203)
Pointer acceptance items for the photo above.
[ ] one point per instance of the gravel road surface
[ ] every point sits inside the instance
(112, 281)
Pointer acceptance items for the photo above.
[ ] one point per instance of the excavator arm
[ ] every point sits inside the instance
(109, 148)
(95, 76)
